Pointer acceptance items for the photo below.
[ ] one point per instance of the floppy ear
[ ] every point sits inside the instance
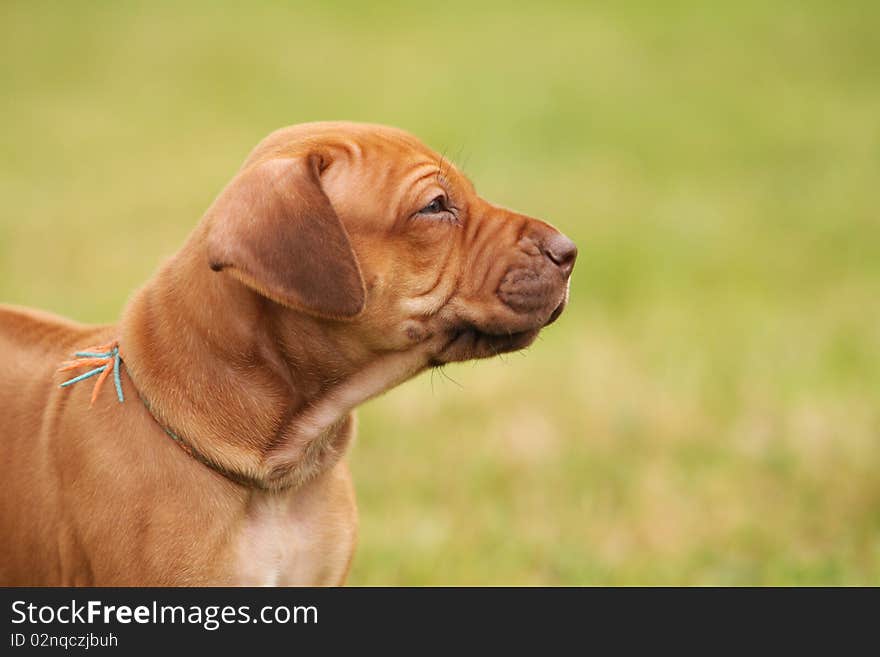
(274, 228)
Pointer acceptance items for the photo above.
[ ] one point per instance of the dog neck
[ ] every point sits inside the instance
(263, 391)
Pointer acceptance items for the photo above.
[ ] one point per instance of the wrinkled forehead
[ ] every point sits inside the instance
(377, 154)
(373, 174)
(383, 158)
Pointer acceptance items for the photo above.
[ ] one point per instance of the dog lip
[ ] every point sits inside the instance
(556, 313)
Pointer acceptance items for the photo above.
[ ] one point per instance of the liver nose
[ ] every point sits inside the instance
(561, 250)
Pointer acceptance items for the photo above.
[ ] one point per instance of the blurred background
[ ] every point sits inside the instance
(707, 411)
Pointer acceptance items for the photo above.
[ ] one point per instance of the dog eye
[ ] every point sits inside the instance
(435, 207)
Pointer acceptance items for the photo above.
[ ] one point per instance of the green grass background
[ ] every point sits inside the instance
(707, 410)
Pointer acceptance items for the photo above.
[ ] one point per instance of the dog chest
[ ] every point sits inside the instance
(300, 537)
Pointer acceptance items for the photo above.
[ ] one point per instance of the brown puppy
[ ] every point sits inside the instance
(341, 260)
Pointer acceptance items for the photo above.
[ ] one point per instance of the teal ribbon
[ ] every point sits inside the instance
(117, 360)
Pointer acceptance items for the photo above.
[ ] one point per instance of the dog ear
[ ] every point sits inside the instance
(274, 228)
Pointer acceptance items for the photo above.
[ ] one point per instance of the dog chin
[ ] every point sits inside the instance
(470, 343)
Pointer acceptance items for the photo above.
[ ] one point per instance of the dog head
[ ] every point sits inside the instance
(366, 230)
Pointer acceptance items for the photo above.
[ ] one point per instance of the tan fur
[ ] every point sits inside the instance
(312, 284)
